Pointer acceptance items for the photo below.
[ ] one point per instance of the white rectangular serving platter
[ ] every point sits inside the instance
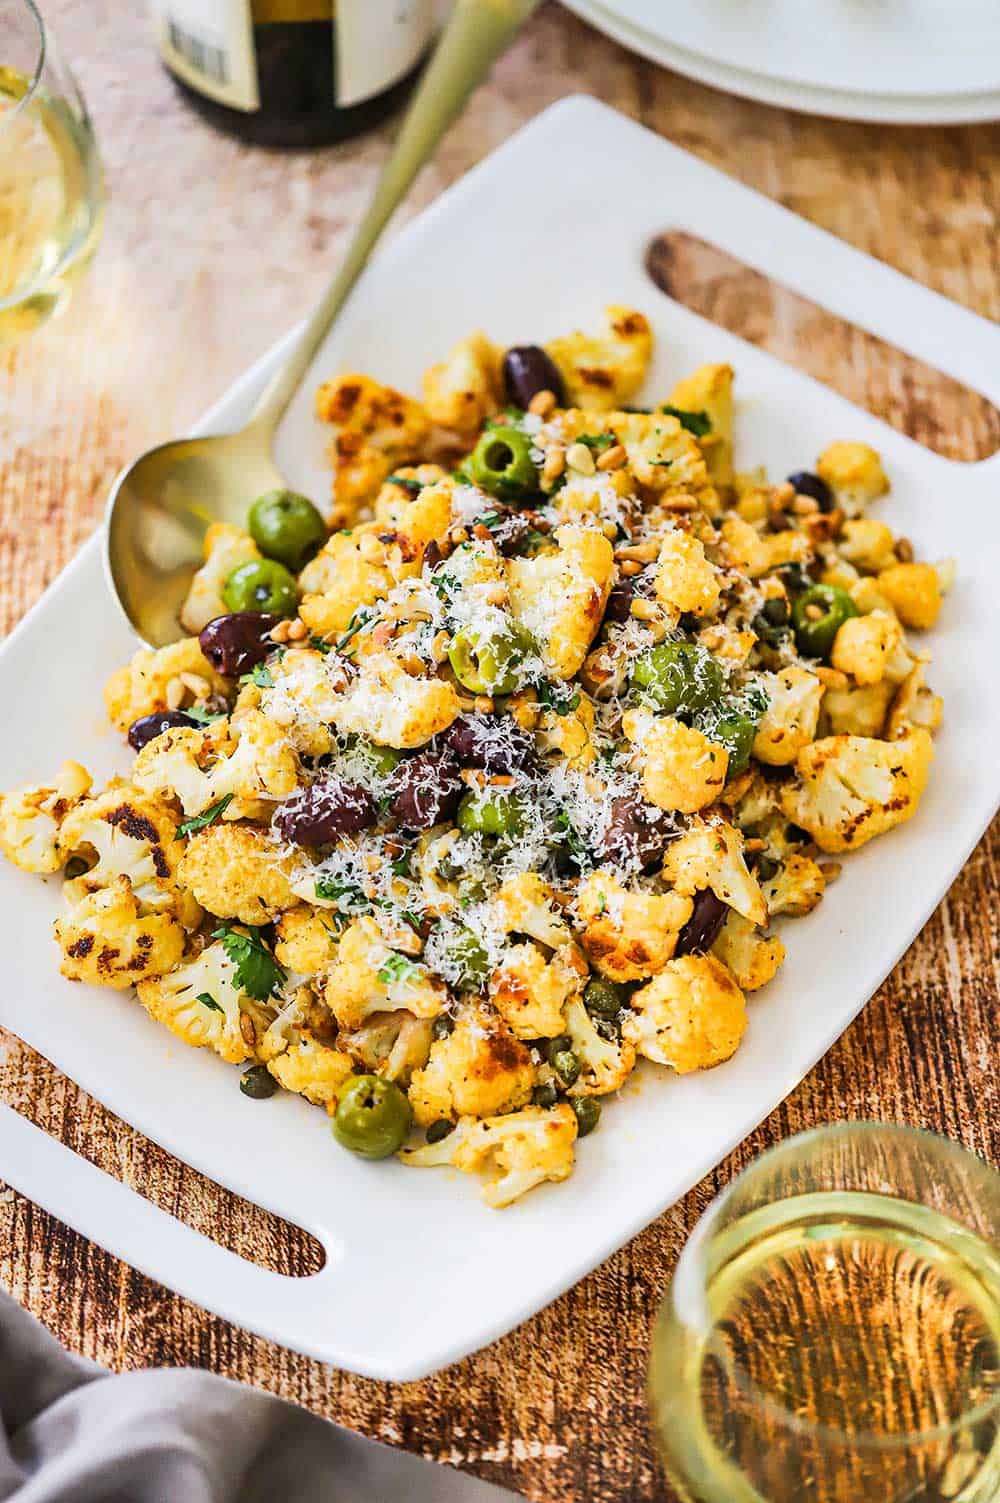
(419, 1272)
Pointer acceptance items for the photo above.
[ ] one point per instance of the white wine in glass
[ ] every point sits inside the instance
(50, 176)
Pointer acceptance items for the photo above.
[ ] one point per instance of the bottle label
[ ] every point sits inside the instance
(377, 43)
(209, 44)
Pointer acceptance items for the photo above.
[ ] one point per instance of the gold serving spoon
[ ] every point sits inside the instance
(161, 505)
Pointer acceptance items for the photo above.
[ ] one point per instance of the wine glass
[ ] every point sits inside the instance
(50, 177)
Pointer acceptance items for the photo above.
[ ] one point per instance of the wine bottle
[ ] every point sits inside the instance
(293, 72)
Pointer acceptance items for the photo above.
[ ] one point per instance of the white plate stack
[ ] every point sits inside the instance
(903, 62)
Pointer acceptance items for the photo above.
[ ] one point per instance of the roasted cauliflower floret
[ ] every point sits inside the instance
(250, 763)
(140, 687)
(312, 1068)
(914, 704)
(681, 768)
(467, 388)
(692, 1015)
(125, 833)
(685, 579)
(559, 598)
(393, 1044)
(521, 1150)
(570, 734)
(300, 699)
(709, 390)
(789, 723)
(375, 428)
(368, 976)
(849, 789)
(604, 1065)
(869, 647)
(305, 940)
(525, 904)
(30, 818)
(529, 991)
(854, 473)
(203, 1005)
(628, 935)
(710, 854)
(857, 711)
(796, 887)
(225, 548)
(662, 455)
(755, 553)
(603, 371)
(387, 705)
(107, 940)
(406, 524)
(867, 544)
(351, 571)
(914, 591)
(237, 872)
(752, 958)
(477, 1070)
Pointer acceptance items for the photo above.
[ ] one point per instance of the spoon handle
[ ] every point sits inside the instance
(477, 33)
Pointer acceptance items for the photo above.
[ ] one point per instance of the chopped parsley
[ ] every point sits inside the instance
(597, 442)
(357, 623)
(397, 967)
(413, 486)
(348, 897)
(257, 972)
(204, 716)
(555, 697)
(207, 1000)
(319, 645)
(698, 423)
(259, 675)
(206, 818)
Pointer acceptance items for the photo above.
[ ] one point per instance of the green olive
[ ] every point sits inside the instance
(817, 616)
(383, 760)
(678, 676)
(488, 664)
(372, 1118)
(261, 585)
(588, 1114)
(736, 730)
(258, 1083)
(286, 526)
(469, 952)
(501, 464)
(604, 998)
(493, 812)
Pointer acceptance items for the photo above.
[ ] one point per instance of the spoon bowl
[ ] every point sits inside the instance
(162, 505)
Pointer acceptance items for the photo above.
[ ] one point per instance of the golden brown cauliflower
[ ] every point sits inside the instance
(850, 788)
(755, 553)
(477, 1070)
(300, 699)
(684, 577)
(140, 687)
(662, 455)
(914, 591)
(388, 706)
(628, 935)
(393, 1044)
(225, 548)
(868, 648)
(126, 833)
(530, 991)
(857, 711)
(854, 473)
(867, 544)
(751, 957)
(375, 428)
(406, 524)
(237, 872)
(368, 976)
(351, 570)
(914, 704)
(604, 1065)
(305, 940)
(201, 1003)
(526, 904)
(710, 854)
(107, 940)
(312, 1068)
(30, 818)
(691, 1016)
(250, 763)
(559, 598)
(789, 722)
(681, 768)
(709, 389)
(796, 887)
(603, 371)
(467, 388)
(521, 1150)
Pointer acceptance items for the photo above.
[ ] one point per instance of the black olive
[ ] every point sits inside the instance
(775, 612)
(147, 726)
(527, 370)
(633, 834)
(808, 484)
(702, 929)
(619, 606)
(425, 790)
(495, 745)
(320, 814)
(236, 643)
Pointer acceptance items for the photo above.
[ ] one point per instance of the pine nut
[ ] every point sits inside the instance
(630, 568)
(280, 632)
(613, 458)
(644, 610)
(555, 463)
(579, 458)
(174, 694)
(297, 631)
(248, 1029)
(542, 403)
(904, 550)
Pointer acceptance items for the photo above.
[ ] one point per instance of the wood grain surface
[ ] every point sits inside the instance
(211, 250)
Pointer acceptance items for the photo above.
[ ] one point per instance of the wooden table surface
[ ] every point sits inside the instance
(211, 250)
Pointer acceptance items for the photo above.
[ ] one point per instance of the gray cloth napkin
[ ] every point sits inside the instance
(73, 1433)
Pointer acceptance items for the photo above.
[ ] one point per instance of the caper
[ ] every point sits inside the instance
(258, 1083)
(588, 1114)
(439, 1129)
